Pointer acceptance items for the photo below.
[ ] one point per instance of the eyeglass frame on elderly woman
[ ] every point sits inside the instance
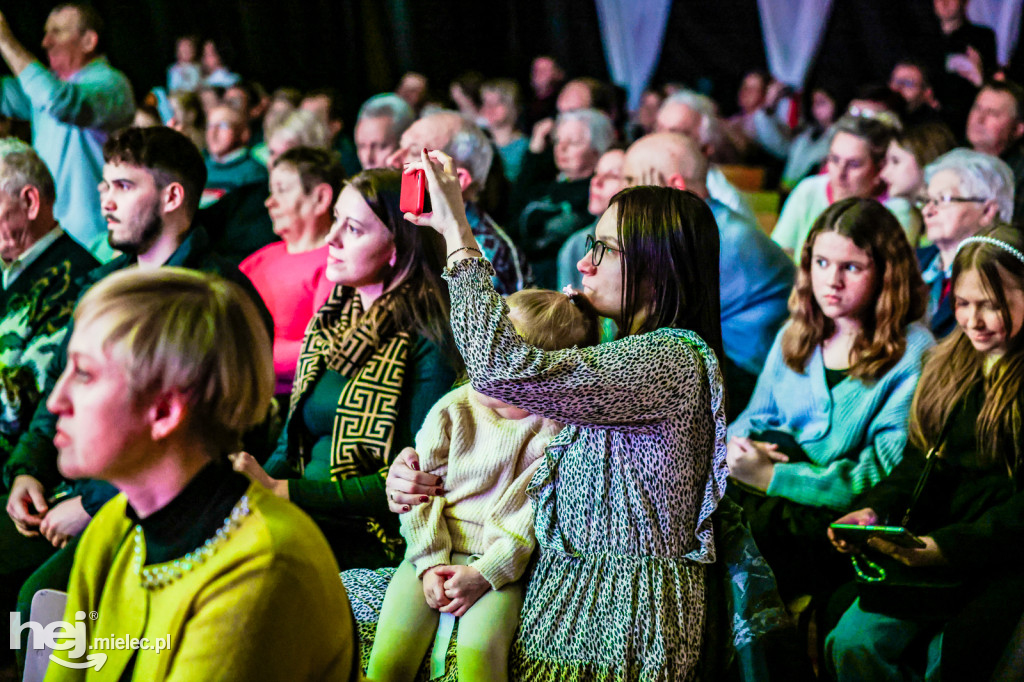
(597, 256)
(945, 199)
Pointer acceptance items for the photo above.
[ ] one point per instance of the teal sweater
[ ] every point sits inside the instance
(854, 434)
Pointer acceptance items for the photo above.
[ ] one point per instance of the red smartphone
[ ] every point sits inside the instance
(413, 198)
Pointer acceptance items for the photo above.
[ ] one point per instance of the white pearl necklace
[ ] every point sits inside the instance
(161, 575)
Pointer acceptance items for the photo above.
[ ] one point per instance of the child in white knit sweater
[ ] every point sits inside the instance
(467, 550)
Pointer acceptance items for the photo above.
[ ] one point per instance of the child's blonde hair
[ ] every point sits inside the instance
(552, 320)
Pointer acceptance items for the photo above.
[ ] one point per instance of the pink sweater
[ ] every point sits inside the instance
(293, 287)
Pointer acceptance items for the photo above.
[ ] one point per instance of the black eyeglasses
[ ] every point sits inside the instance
(596, 250)
(945, 200)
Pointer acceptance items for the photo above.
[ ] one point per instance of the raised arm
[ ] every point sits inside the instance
(636, 380)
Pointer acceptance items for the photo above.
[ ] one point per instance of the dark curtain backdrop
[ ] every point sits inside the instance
(359, 46)
(363, 46)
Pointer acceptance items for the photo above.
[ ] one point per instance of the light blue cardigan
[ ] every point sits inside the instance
(853, 434)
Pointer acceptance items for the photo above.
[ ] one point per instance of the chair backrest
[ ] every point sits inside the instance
(766, 208)
(745, 178)
(47, 607)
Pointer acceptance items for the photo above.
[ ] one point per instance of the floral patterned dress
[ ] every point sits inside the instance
(623, 498)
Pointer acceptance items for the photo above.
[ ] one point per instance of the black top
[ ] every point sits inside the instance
(955, 93)
(189, 520)
(834, 376)
(194, 516)
(971, 509)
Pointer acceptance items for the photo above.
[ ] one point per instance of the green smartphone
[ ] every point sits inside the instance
(858, 535)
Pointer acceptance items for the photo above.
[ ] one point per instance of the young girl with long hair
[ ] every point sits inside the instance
(963, 499)
(903, 173)
(828, 416)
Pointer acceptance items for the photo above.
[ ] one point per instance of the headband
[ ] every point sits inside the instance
(994, 242)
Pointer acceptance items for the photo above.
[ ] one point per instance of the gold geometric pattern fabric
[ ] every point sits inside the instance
(339, 337)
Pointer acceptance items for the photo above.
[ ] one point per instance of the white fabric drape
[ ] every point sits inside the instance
(1003, 17)
(632, 32)
(792, 30)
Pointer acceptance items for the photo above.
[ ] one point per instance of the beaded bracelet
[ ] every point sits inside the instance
(871, 572)
(465, 248)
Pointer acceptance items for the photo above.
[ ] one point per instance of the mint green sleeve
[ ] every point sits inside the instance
(102, 98)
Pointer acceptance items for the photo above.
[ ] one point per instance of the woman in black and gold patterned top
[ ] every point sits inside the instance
(375, 358)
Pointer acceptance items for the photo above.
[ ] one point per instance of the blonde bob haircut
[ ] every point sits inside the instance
(174, 329)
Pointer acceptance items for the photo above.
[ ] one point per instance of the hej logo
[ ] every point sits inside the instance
(59, 636)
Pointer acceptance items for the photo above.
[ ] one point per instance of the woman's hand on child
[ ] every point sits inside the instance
(433, 588)
(753, 462)
(463, 586)
(929, 555)
(244, 463)
(861, 517)
(406, 485)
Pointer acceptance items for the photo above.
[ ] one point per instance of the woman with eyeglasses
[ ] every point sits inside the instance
(625, 494)
(967, 191)
(828, 418)
(855, 159)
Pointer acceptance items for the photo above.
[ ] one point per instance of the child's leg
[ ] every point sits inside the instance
(485, 634)
(404, 631)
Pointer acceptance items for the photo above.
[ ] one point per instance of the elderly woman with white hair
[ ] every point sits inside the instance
(300, 128)
(967, 191)
(549, 212)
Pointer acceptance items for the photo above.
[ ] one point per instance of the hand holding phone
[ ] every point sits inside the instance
(414, 198)
(859, 535)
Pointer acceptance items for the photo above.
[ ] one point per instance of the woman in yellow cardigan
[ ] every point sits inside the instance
(205, 575)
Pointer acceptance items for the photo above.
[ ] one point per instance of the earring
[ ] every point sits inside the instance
(393, 259)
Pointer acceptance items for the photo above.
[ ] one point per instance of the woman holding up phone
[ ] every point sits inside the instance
(963, 590)
(625, 493)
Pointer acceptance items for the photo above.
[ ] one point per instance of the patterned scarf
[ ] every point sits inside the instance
(341, 338)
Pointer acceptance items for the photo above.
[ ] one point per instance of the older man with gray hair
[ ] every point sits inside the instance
(379, 127)
(72, 106)
(967, 191)
(755, 274)
(40, 268)
(696, 116)
(473, 155)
